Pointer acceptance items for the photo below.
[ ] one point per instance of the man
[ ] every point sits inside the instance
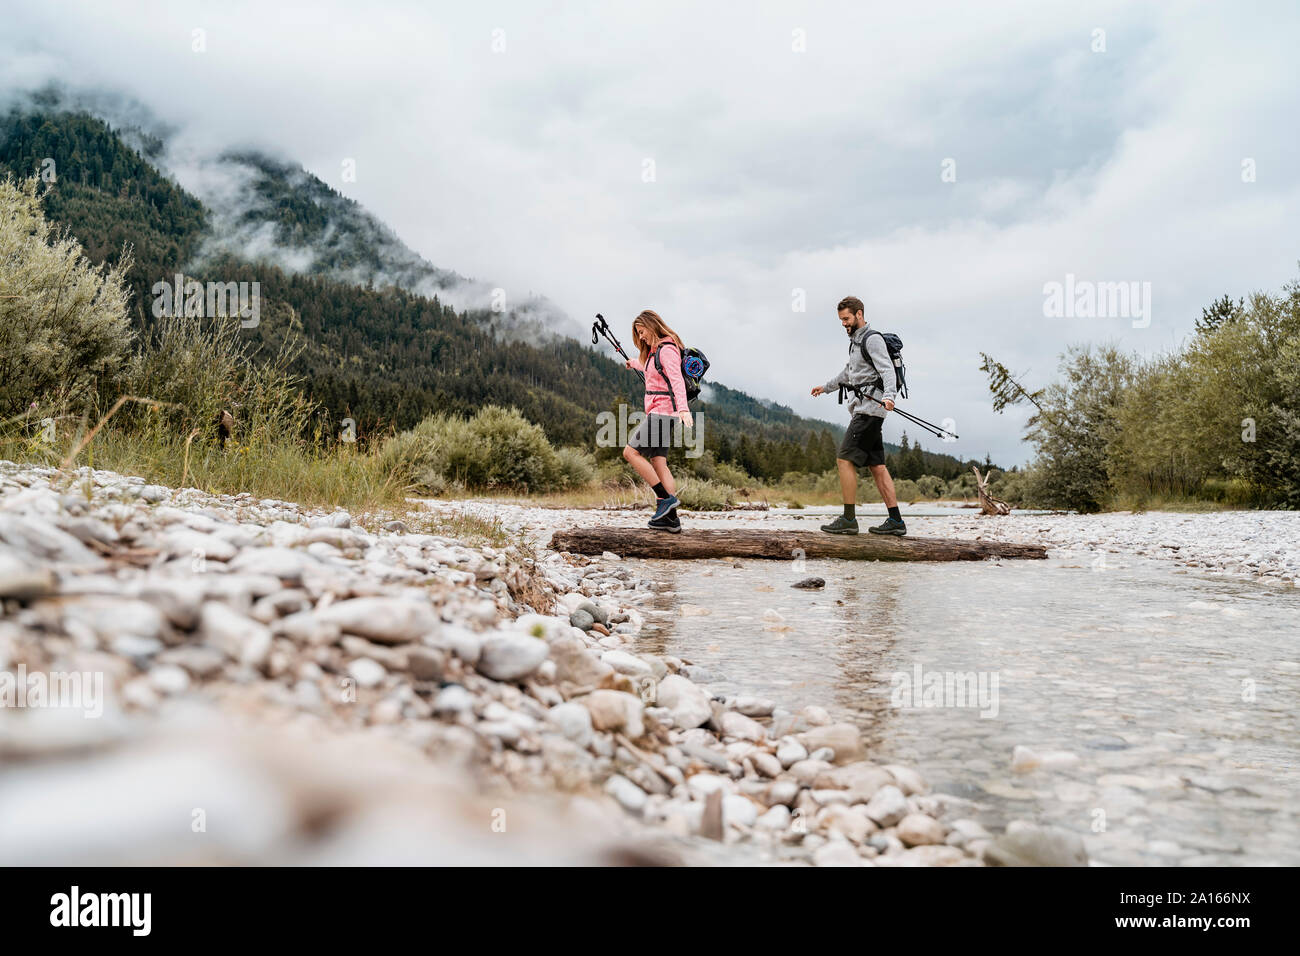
(871, 369)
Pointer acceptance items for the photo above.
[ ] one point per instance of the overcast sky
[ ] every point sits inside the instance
(792, 146)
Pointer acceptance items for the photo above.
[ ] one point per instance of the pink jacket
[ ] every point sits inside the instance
(662, 403)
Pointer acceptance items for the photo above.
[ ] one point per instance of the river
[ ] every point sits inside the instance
(1169, 697)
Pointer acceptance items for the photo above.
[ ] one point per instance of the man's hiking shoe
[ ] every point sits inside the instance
(842, 525)
(664, 505)
(668, 522)
(891, 526)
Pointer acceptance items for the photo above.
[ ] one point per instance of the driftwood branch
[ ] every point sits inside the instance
(988, 504)
(782, 545)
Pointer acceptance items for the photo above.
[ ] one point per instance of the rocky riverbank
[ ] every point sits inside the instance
(281, 663)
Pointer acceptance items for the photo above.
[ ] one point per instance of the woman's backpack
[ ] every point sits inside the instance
(694, 365)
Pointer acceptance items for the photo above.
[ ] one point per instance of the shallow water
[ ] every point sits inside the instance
(1176, 692)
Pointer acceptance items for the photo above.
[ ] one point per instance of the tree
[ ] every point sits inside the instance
(64, 329)
(1007, 391)
(1217, 313)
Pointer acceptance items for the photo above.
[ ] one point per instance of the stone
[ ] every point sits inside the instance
(598, 613)
(30, 535)
(195, 659)
(1030, 844)
(852, 824)
(887, 806)
(766, 764)
(287, 564)
(575, 664)
(918, 829)
(453, 699)
(629, 796)
(426, 663)
(741, 727)
(844, 739)
(384, 620)
(810, 584)
(738, 810)
(688, 702)
(789, 751)
(754, 706)
(306, 627)
(238, 637)
(511, 656)
(367, 672)
(154, 493)
(860, 781)
(776, 819)
(624, 663)
(908, 780)
(807, 771)
(582, 619)
(615, 710)
(1024, 760)
(178, 542)
(573, 721)
(169, 679)
(837, 853)
(111, 617)
(21, 583)
(783, 792)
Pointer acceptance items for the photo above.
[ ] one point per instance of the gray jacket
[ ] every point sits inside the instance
(881, 380)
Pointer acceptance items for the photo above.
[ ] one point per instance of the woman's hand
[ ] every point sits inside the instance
(629, 365)
(687, 419)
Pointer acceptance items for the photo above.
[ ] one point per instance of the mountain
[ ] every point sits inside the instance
(381, 340)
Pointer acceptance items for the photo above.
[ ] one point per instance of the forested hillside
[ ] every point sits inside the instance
(378, 353)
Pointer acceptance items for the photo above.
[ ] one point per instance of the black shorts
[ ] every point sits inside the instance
(863, 444)
(655, 435)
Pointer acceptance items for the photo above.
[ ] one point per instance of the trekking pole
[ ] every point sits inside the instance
(936, 430)
(601, 327)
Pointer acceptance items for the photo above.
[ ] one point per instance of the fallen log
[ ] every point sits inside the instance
(783, 545)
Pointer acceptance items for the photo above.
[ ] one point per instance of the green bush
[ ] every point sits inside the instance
(906, 490)
(495, 449)
(700, 494)
(64, 330)
(576, 467)
(722, 472)
(929, 486)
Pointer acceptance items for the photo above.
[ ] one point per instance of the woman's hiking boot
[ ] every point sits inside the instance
(664, 505)
(668, 522)
(842, 525)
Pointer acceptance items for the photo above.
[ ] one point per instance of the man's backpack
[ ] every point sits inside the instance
(894, 346)
(694, 365)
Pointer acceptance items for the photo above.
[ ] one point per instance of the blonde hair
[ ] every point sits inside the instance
(658, 330)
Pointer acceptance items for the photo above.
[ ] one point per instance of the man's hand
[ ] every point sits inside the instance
(687, 419)
(889, 404)
(818, 390)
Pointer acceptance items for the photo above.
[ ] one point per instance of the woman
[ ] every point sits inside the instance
(666, 410)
